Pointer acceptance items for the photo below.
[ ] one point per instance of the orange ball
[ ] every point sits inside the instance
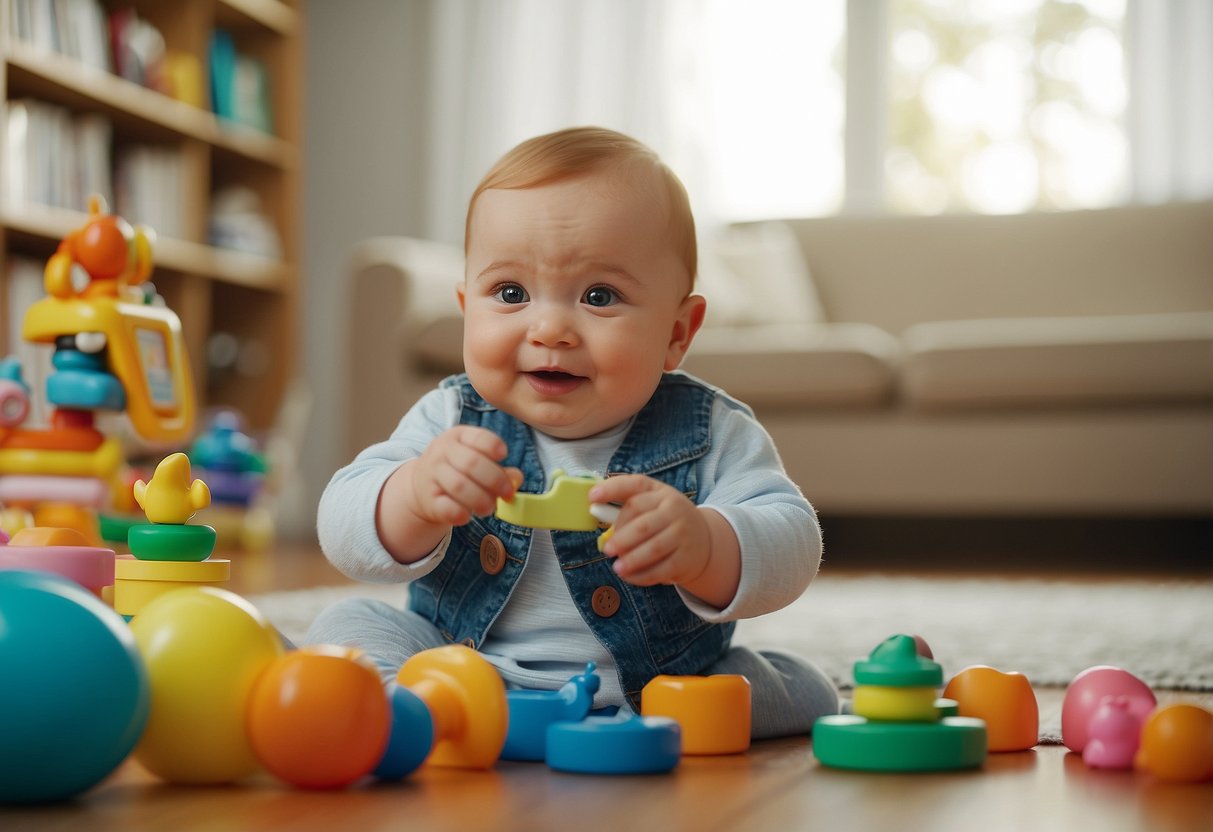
(319, 717)
(1177, 744)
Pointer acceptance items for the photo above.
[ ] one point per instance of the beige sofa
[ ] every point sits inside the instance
(1041, 364)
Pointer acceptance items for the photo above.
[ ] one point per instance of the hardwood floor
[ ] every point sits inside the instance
(776, 785)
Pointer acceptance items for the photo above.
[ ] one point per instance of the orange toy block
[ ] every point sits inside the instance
(713, 711)
(1005, 701)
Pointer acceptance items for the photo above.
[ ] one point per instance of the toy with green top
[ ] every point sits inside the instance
(898, 724)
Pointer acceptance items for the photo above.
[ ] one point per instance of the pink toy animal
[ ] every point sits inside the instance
(1113, 734)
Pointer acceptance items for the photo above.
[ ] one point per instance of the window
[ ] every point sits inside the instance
(991, 106)
(1005, 105)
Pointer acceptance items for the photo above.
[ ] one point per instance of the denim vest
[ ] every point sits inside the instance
(649, 631)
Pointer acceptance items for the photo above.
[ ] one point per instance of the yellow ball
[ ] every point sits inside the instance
(204, 648)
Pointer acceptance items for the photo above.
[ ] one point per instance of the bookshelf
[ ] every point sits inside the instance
(170, 163)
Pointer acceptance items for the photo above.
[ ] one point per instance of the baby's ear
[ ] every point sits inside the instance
(460, 292)
(686, 324)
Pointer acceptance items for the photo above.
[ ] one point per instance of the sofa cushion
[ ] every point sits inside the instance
(755, 274)
(792, 366)
(1059, 361)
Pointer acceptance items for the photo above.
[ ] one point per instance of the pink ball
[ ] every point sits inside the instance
(1088, 690)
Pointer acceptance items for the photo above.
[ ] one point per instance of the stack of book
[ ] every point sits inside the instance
(75, 28)
(240, 88)
(54, 157)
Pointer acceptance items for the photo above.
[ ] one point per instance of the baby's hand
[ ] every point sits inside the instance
(660, 537)
(459, 475)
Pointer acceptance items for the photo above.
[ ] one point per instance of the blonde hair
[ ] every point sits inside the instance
(577, 151)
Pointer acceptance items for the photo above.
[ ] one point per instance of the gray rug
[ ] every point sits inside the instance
(1049, 630)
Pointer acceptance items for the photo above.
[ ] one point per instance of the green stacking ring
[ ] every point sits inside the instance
(852, 742)
(166, 541)
(115, 528)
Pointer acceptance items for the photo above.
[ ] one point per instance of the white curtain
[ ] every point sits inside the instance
(1170, 52)
(506, 70)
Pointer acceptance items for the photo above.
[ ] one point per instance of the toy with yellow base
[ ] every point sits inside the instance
(167, 553)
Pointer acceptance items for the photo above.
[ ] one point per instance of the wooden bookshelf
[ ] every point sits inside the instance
(214, 290)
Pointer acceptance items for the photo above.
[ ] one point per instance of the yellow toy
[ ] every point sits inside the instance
(139, 582)
(565, 505)
(204, 650)
(170, 497)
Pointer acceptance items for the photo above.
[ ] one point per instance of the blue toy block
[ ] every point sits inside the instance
(532, 711)
(615, 745)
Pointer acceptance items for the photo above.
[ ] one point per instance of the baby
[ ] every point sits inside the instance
(578, 308)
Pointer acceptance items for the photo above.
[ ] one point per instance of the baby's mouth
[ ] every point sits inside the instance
(554, 382)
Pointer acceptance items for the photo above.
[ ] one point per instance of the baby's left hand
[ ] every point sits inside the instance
(660, 537)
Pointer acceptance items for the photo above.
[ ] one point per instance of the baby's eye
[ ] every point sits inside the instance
(511, 293)
(601, 296)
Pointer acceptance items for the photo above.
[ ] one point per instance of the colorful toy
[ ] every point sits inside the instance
(1177, 744)
(228, 459)
(532, 711)
(615, 745)
(75, 695)
(1113, 735)
(318, 717)
(1088, 689)
(712, 711)
(169, 499)
(892, 729)
(565, 505)
(465, 703)
(108, 313)
(228, 456)
(204, 649)
(1004, 701)
(116, 349)
(167, 554)
(61, 551)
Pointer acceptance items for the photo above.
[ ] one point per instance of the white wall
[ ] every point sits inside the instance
(365, 126)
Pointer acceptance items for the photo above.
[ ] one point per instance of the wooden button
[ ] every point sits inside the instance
(469, 642)
(492, 554)
(605, 601)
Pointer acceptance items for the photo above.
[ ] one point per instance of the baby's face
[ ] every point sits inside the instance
(574, 302)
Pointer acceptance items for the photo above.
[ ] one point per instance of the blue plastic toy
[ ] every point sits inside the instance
(75, 695)
(411, 737)
(532, 711)
(82, 381)
(615, 745)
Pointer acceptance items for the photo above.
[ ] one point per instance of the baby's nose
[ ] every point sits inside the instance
(553, 326)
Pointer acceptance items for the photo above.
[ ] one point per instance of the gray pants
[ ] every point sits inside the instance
(787, 692)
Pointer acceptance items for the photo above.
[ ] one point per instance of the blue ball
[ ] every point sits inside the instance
(75, 694)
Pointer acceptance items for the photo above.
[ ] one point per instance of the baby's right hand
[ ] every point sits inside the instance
(459, 475)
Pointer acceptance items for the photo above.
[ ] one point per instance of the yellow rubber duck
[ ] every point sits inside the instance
(170, 497)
